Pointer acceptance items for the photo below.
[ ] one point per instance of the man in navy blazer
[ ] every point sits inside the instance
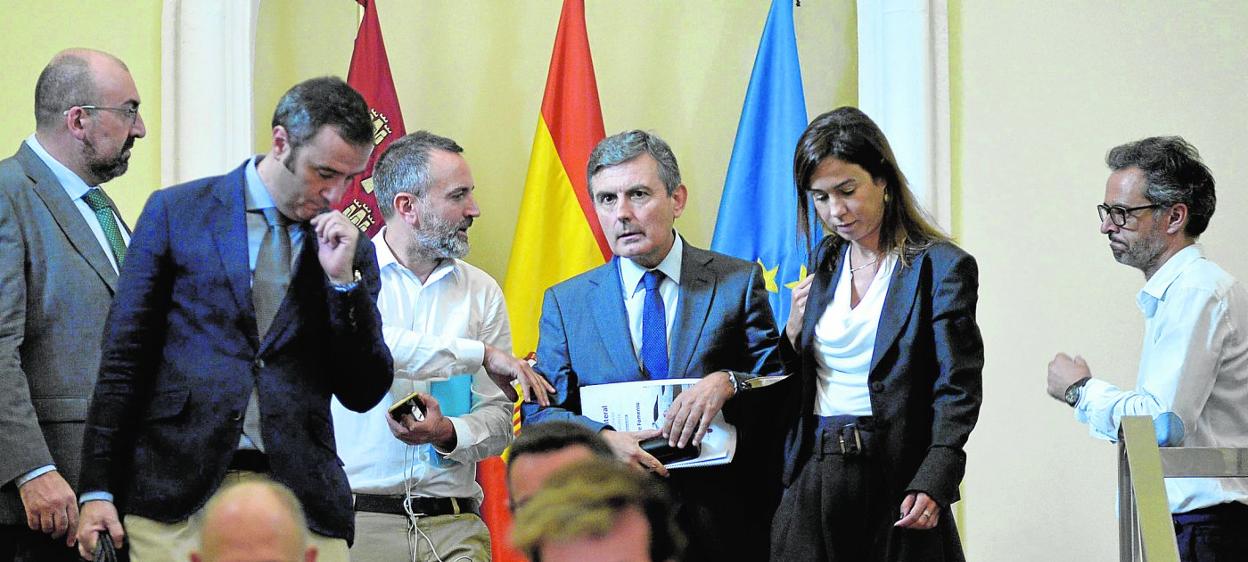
(193, 390)
(716, 324)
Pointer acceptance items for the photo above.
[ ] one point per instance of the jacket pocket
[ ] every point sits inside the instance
(60, 409)
(167, 403)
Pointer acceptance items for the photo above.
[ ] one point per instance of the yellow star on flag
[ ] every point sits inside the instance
(800, 276)
(769, 277)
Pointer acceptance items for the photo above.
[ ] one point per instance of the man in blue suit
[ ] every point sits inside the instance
(664, 309)
(244, 304)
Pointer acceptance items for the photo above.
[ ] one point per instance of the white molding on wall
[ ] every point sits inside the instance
(207, 59)
(903, 84)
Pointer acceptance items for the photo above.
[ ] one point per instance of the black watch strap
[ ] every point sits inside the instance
(1072, 391)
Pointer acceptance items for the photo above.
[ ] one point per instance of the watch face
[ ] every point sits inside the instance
(1072, 395)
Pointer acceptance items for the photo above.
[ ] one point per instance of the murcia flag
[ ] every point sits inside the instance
(370, 75)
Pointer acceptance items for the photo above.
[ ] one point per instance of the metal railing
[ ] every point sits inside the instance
(1145, 529)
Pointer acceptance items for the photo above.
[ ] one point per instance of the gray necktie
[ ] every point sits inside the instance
(272, 275)
(268, 287)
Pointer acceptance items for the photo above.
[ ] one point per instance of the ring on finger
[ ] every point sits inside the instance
(926, 514)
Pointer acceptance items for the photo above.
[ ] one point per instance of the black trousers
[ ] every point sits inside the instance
(839, 508)
(1217, 533)
(20, 544)
(720, 518)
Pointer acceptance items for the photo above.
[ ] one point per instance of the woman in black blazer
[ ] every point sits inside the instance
(886, 358)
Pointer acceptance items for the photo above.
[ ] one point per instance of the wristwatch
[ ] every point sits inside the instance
(740, 382)
(1074, 391)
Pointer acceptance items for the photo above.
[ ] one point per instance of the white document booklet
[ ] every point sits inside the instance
(640, 405)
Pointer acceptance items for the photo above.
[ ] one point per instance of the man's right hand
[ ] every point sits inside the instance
(503, 368)
(97, 516)
(625, 445)
(51, 506)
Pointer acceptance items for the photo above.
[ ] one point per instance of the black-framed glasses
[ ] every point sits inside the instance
(131, 113)
(1119, 214)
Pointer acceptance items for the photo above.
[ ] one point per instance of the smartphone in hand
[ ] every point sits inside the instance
(410, 404)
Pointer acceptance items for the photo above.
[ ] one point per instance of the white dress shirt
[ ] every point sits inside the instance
(435, 330)
(1194, 364)
(845, 343)
(635, 293)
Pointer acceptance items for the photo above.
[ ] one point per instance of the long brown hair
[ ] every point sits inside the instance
(847, 134)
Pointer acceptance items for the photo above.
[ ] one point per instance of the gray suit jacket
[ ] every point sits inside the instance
(56, 284)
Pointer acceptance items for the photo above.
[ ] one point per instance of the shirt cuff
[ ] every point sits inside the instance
(23, 479)
(464, 438)
(95, 496)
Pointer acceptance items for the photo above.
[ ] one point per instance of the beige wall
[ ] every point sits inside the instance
(31, 32)
(476, 70)
(1041, 91)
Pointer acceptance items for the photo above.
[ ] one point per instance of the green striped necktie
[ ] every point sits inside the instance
(98, 202)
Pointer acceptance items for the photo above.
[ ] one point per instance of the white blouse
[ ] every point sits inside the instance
(845, 342)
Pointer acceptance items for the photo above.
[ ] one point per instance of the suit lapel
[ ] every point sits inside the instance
(697, 290)
(611, 318)
(67, 216)
(229, 233)
(897, 305)
(821, 291)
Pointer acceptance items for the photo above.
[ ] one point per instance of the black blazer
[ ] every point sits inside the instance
(181, 355)
(925, 380)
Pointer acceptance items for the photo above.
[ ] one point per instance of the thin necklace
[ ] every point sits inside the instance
(853, 269)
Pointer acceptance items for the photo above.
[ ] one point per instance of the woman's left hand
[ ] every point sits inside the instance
(918, 511)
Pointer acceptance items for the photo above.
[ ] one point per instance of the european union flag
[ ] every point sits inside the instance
(757, 218)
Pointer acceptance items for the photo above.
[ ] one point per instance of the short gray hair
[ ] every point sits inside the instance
(1174, 175)
(623, 147)
(404, 167)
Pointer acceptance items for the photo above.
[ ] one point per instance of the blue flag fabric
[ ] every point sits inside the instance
(757, 218)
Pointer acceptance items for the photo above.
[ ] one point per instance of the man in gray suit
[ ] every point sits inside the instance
(665, 309)
(62, 243)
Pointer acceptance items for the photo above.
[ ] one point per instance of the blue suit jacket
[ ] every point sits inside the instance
(181, 355)
(925, 380)
(723, 321)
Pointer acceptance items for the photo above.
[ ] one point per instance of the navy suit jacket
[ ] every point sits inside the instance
(723, 321)
(925, 379)
(181, 355)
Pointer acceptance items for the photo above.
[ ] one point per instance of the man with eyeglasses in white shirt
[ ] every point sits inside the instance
(414, 478)
(62, 243)
(1194, 365)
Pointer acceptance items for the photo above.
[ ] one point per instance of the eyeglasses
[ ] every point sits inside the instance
(1119, 214)
(131, 113)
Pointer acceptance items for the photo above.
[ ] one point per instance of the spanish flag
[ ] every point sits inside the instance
(558, 235)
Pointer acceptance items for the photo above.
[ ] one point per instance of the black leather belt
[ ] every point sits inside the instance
(250, 460)
(428, 507)
(843, 435)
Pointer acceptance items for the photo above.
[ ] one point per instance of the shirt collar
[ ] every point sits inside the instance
(256, 194)
(630, 272)
(1155, 289)
(386, 258)
(73, 185)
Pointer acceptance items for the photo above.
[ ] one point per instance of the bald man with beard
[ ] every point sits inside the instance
(62, 243)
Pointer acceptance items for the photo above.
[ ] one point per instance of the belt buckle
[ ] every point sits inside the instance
(407, 506)
(851, 447)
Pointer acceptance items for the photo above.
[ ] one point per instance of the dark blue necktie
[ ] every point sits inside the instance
(654, 328)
